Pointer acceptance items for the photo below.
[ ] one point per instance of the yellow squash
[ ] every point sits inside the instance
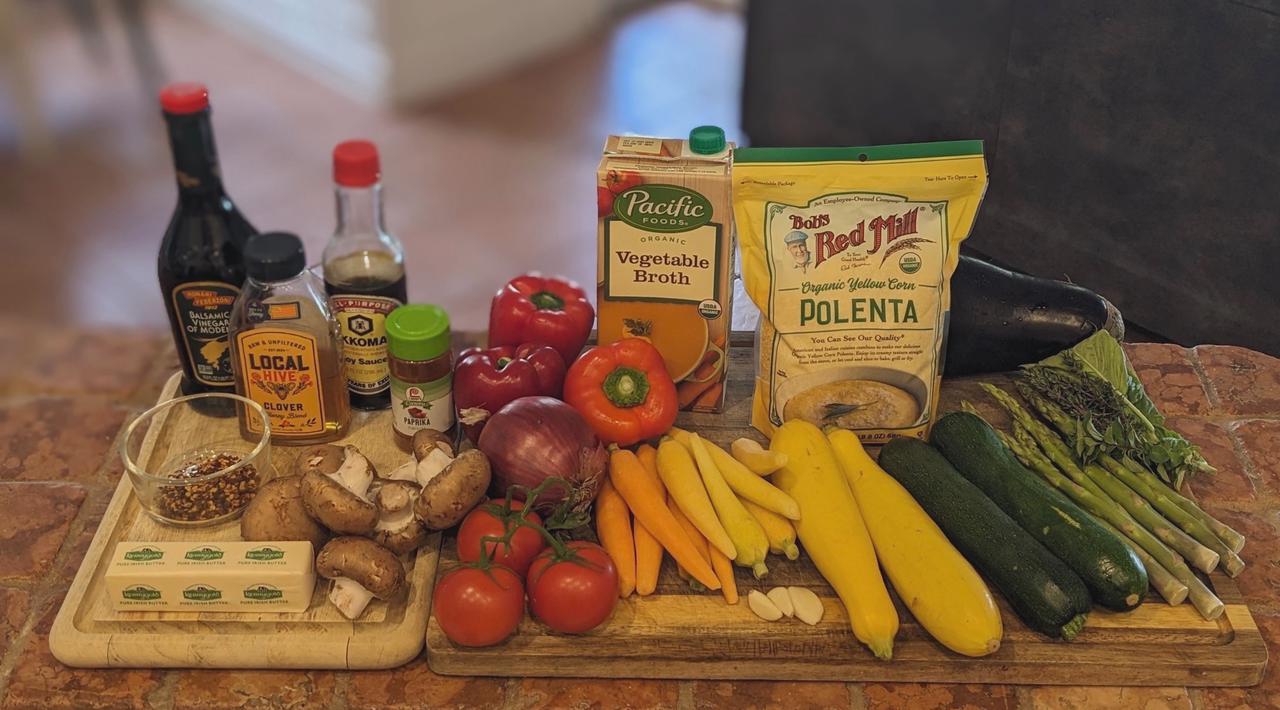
(780, 531)
(834, 534)
(940, 587)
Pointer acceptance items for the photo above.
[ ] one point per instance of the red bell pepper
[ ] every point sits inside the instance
(623, 391)
(537, 309)
(486, 379)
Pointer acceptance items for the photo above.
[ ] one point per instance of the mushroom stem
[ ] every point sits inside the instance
(350, 598)
(395, 521)
(432, 465)
(354, 473)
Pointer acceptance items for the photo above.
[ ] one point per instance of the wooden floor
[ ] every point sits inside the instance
(480, 186)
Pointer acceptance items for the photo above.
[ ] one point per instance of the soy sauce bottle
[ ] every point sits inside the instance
(201, 260)
(363, 273)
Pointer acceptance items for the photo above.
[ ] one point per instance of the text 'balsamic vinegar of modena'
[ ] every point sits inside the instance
(201, 260)
(363, 273)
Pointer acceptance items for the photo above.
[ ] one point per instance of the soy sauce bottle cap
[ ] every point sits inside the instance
(274, 256)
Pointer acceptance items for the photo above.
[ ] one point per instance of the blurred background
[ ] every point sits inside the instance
(1133, 147)
(489, 115)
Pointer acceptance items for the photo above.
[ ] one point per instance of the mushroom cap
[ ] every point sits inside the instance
(363, 561)
(395, 495)
(336, 507)
(448, 497)
(325, 458)
(277, 513)
(404, 540)
(424, 440)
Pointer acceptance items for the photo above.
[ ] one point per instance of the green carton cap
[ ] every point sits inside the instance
(706, 140)
(417, 332)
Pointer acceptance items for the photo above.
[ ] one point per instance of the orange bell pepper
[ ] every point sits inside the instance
(623, 391)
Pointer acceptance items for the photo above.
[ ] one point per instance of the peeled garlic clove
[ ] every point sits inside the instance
(808, 607)
(782, 600)
(763, 607)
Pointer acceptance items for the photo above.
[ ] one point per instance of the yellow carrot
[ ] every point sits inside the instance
(648, 549)
(747, 535)
(646, 503)
(779, 530)
(685, 485)
(613, 527)
(746, 484)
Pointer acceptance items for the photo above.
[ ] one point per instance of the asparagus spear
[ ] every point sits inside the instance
(1209, 606)
(1167, 585)
(1224, 532)
(1164, 581)
(1202, 598)
(1191, 525)
(1053, 445)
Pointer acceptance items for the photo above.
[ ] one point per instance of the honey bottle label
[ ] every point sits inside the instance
(281, 372)
(362, 320)
(203, 309)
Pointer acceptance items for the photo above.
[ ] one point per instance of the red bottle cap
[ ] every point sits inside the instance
(355, 164)
(184, 97)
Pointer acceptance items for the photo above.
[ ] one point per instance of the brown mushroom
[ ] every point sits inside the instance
(426, 440)
(361, 570)
(277, 513)
(398, 529)
(339, 500)
(449, 495)
(325, 458)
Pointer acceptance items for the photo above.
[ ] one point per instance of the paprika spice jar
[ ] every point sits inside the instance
(421, 366)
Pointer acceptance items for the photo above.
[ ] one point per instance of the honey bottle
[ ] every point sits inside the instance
(285, 346)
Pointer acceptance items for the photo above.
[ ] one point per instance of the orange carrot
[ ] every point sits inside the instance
(648, 549)
(710, 397)
(613, 527)
(724, 572)
(701, 380)
(645, 500)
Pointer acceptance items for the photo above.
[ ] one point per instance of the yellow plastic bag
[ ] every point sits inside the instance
(848, 253)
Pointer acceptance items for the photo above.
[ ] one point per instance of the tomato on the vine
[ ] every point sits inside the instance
(479, 607)
(484, 521)
(573, 595)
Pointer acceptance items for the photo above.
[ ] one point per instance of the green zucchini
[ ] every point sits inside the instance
(1114, 575)
(1043, 591)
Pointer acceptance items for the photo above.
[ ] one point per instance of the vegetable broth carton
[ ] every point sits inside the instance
(665, 254)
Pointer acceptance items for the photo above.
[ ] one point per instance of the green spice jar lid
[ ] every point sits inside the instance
(417, 332)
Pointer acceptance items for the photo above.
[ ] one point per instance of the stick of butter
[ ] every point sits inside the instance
(211, 576)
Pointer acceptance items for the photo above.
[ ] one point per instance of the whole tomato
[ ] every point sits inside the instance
(479, 607)
(486, 521)
(575, 595)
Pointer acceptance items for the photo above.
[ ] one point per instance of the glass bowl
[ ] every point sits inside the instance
(190, 468)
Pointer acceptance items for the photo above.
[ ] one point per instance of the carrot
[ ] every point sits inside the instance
(701, 380)
(648, 549)
(646, 502)
(709, 398)
(724, 572)
(613, 527)
(690, 530)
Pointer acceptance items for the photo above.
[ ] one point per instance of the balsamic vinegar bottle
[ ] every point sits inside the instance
(363, 273)
(201, 262)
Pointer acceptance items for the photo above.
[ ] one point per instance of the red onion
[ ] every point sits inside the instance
(534, 438)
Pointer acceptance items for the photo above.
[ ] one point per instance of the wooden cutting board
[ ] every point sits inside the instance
(89, 633)
(676, 633)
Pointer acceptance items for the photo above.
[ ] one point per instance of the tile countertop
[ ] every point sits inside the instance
(64, 396)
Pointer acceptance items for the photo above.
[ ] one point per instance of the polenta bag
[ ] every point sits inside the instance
(848, 253)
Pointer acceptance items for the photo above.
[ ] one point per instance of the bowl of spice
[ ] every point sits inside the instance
(190, 464)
